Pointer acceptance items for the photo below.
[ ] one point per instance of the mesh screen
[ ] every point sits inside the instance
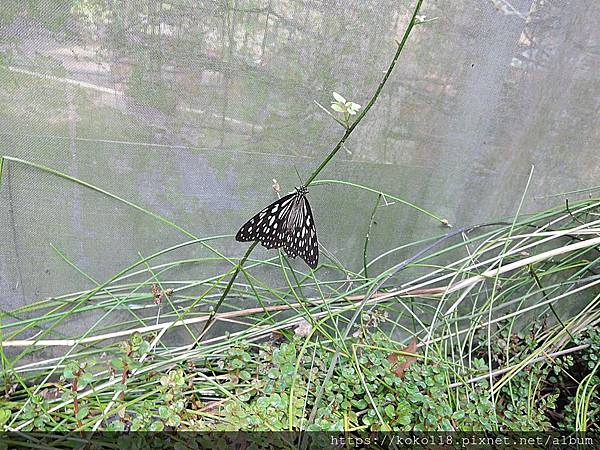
(191, 108)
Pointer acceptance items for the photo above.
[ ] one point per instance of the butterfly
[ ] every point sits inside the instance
(288, 223)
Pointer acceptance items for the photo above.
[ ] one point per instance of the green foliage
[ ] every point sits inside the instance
(142, 417)
(172, 390)
(570, 374)
(379, 400)
(522, 405)
(129, 356)
(249, 381)
(274, 386)
(36, 410)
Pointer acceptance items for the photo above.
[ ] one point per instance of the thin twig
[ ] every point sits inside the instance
(538, 282)
(368, 235)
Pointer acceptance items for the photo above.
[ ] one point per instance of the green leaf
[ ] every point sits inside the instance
(85, 379)
(136, 339)
(116, 426)
(157, 426)
(389, 411)
(134, 364)
(116, 363)
(446, 425)
(237, 364)
(174, 420)
(83, 412)
(4, 416)
(405, 419)
(360, 404)
(137, 424)
(38, 422)
(164, 412)
(458, 415)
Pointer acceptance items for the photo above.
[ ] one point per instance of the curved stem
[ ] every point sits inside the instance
(386, 197)
(329, 157)
(364, 112)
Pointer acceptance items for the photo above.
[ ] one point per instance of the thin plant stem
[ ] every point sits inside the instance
(350, 129)
(211, 318)
(374, 98)
(368, 235)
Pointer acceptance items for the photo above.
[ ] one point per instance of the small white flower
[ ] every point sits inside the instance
(347, 108)
(339, 98)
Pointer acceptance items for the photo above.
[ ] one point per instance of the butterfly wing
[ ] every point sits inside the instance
(269, 225)
(302, 240)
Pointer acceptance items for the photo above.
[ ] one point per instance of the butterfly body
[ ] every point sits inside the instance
(286, 223)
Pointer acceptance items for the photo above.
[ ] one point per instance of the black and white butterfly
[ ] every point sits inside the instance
(288, 223)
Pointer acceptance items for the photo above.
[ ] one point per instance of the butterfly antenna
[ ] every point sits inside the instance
(299, 177)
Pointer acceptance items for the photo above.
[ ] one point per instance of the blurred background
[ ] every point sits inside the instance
(190, 109)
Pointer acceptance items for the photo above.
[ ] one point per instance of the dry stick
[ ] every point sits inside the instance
(545, 296)
(222, 316)
(514, 251)
(115, 381)
(97, 389)
(514, 313)
(524, 262)
(150, 328)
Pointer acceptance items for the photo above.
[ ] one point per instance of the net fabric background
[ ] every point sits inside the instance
(191, 108)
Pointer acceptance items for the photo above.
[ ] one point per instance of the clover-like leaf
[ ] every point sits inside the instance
(85, 379)
(82, 413)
